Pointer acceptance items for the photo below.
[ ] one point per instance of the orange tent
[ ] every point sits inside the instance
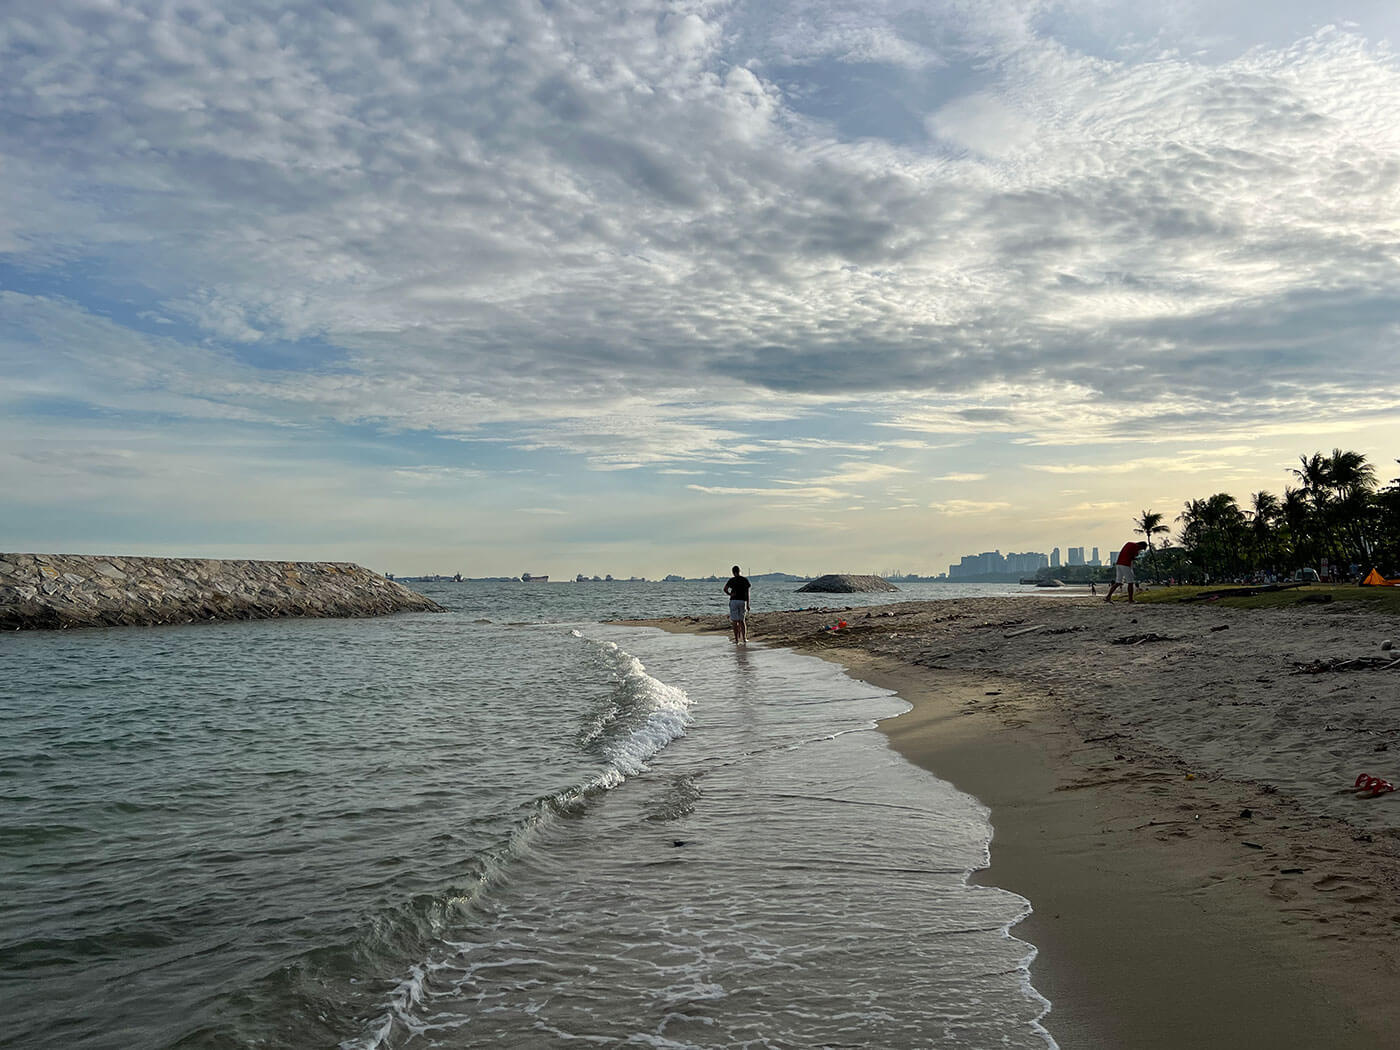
(1375, 579)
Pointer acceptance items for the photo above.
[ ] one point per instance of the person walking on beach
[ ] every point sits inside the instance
(1123, 568)
(737, 587)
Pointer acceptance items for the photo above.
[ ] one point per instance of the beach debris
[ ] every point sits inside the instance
(1220, 627)
(1140, 639)
(1246, 814)
(1387, 645)
(1024, 630)
(1290, 871)
(1357, 663)
(1367, 784)
(1251, 845)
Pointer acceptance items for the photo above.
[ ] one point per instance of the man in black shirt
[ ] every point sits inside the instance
(737, 587)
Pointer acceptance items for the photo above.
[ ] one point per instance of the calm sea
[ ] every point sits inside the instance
(512, 825)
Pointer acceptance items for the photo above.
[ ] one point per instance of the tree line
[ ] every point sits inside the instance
(1335, 513)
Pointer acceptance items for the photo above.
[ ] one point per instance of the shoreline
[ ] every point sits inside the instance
(1163, 916)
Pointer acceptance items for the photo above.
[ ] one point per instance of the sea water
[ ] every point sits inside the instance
(510, 825)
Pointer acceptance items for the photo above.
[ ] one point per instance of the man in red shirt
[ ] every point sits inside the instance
(1123, 568)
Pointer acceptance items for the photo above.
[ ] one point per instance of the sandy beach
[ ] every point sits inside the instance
(1171, 787)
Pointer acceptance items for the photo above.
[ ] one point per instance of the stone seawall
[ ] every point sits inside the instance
(81, 590)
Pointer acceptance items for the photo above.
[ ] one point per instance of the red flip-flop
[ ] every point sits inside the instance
(1375, 785)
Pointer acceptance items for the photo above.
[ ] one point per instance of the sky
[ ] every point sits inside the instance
(640, 287)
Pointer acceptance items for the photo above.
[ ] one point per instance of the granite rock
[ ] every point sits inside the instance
(78, 590)
(844, 583)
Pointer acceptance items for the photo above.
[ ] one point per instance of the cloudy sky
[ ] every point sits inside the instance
(648, 287)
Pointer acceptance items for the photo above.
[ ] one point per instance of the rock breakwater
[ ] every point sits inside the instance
(81, 590)
(846, 583)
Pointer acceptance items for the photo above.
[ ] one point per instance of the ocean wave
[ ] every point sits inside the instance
(639, 717)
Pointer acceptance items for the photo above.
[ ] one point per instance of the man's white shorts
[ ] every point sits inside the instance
(1123, 573)
(737, 610)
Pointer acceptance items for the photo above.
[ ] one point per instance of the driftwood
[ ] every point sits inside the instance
(1241, 592)
(1139, 639)
(1024, 630)
(1359, 663)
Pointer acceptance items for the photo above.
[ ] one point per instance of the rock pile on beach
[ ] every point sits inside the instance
(844, 583)
(78, 590)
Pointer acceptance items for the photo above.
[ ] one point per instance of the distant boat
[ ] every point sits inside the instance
(525, 577)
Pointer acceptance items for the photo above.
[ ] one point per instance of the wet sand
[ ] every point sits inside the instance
(1172, 792)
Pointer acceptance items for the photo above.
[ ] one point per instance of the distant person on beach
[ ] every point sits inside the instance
(1123, 568)
(737, 587)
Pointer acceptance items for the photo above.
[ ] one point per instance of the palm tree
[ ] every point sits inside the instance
(1213, 530)
(1264, 516)
(1387, 524)
(1349, 470)
(1315, 473)
(1298, 519)
(1353, 486)
(1339, 490)
(1149, 524)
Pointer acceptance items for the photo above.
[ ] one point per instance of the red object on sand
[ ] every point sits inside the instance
(1375, 785)
(840, 624)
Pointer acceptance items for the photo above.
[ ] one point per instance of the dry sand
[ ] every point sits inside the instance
(1171, 795)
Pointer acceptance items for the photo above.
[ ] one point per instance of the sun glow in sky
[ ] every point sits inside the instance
(657, 287)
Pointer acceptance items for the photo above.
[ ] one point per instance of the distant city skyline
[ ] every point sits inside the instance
(483, 287)
(1011, 562)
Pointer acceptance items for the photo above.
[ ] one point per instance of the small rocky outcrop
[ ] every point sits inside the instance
(80, 590)
(844, 583)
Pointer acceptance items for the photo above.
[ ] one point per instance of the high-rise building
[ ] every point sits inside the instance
(1095, 559)
(1055, 558)
(1025, 564)
(994, 563)
(1076, 556)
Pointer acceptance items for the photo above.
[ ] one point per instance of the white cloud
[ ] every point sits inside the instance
(692, 238)
(984, 124)
(958, 507)
(860, 473)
